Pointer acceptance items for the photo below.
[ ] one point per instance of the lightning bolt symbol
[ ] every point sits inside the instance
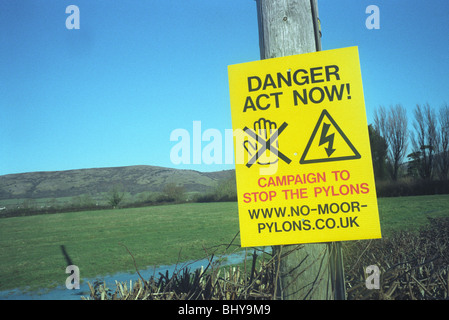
(327, 139)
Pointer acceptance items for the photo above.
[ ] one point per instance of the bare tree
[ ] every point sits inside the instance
(173, 192)
(443, 149)
(393, 127)
(425, 140)
(380, 120)
(115, 195)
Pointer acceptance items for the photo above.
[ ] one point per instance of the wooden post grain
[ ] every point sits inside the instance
(289, 27)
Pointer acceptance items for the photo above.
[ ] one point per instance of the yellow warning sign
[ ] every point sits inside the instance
(302, 153)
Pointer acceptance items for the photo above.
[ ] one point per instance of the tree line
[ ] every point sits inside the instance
(418, 151)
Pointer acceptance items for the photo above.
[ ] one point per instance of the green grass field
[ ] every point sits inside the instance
(31, 247)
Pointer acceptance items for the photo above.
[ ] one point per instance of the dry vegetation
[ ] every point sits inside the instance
(413, 266)
(211, 283)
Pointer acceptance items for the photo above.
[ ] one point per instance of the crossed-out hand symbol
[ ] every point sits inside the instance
(266, 144)
(263, 129)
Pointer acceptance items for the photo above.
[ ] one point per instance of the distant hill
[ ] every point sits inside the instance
(133, 179)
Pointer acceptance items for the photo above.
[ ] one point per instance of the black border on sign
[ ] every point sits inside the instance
(303, 157)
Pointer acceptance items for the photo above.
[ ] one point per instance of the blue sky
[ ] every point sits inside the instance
(110, 93)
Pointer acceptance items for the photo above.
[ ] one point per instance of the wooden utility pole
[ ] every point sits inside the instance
(311, 271)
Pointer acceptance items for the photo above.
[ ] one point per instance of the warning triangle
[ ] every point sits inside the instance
(328, 143)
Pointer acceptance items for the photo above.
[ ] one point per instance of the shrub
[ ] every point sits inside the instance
(411, 188)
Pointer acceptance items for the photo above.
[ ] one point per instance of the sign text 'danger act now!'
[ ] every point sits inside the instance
(303, 159)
